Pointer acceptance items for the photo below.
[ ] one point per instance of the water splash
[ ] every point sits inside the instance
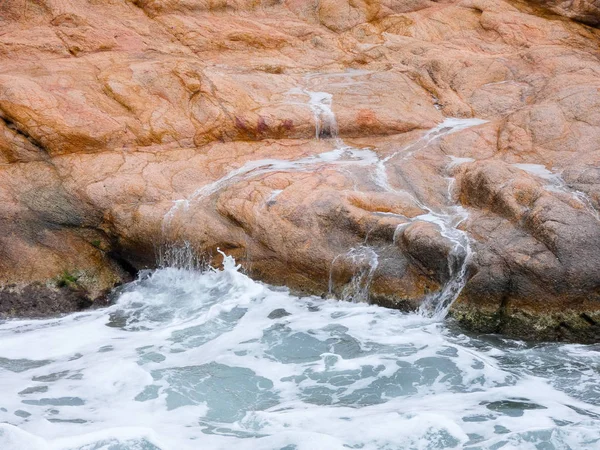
(446, 219)
(212, 359)
(325, 127)
(366, 261)
(179, 256)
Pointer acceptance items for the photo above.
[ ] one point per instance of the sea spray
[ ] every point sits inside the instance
(187, 359)
(179, 256)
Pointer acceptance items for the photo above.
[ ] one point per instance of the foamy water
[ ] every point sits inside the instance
(213, 360)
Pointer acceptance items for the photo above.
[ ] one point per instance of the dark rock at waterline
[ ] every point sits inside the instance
(568, 325)
(537, 259)
(39, 301)
(278, 313)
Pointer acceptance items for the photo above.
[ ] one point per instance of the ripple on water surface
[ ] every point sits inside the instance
(188, 360)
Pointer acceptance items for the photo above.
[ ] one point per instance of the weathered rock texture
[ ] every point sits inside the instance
(127, 127)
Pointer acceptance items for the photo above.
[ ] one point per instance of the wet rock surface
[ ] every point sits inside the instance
(37, 301)
(396, 152)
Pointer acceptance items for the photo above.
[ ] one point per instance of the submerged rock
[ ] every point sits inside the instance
(278, 313)
(394, 152)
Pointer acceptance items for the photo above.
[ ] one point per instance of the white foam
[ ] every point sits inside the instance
(446, 219)
(193, 360)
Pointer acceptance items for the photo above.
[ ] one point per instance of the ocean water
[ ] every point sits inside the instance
(213, 360)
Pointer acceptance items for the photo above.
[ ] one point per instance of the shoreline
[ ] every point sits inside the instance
(45, 301)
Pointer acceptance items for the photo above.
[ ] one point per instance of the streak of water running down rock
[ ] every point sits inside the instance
(326, 126)
(557, 184)
(365, 261)
(320, 103)
(447, 219)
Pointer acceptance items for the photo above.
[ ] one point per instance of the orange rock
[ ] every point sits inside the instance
(313, 144)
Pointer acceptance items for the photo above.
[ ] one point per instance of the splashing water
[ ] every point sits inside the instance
(213, 360)
(447, 220)
(179, 256)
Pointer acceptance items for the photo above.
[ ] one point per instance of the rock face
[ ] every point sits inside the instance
(585, 11)
(404, 152)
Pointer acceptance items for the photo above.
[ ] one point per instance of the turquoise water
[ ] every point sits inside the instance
(214, 360)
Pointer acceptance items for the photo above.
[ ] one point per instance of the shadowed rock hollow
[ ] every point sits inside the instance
(404, 152)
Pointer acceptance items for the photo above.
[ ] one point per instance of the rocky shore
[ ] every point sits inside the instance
(415, 154)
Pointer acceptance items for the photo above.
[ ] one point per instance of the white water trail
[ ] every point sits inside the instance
(341, 156)
(449, 126)
(320, 104)
(338, 156)
(438, 304)
(447, 219)
(326, 127)
(557, 184)
(364, 261)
